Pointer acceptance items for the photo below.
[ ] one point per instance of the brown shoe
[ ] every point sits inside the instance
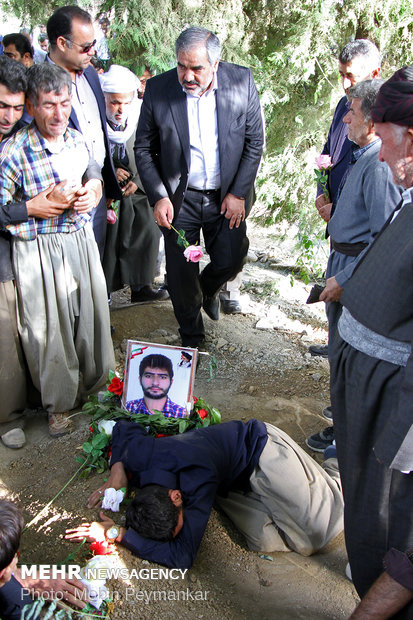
(59, 424)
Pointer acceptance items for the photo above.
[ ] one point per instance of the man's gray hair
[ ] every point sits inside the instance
(367, 92)
(361, 48)
(46, 77)
(195, 37)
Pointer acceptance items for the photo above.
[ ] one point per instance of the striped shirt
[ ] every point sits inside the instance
(169, 410)
(29, 165)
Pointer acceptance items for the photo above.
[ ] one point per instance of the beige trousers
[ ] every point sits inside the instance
(294, 504)
(63, 316)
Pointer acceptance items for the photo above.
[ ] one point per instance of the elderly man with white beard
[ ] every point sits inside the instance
(132, 238)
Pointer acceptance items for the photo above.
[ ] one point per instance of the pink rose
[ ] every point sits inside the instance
(323, 162)
(193, 253)
(111, 217)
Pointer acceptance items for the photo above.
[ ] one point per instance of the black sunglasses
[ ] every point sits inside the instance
(85, 48)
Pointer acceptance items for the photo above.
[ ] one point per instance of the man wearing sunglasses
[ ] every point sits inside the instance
(72, 40)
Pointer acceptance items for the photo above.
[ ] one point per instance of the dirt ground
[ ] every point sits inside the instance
(263, 370)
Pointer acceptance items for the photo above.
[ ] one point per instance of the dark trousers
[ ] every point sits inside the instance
(99, 223)
(377, 500)
(227, 250)
(132, 245)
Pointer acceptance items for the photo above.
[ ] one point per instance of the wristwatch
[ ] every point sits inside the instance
(112, 533)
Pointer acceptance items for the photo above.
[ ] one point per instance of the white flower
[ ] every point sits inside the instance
(97, 590)
(112, 499)
(106, 426)
(97, 562)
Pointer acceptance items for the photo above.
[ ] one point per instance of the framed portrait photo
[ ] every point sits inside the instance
(159, 378)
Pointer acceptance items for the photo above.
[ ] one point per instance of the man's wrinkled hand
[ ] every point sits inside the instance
(332, 291)
(129, 189)
(325, 212)
(88, 196)
(234, 210)
(72, 591)
(49, 203)
(320, 201)
(323, 207)
(163, 212)
(122, 174)
(61, 194)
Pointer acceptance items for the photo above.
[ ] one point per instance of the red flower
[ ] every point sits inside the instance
(102, 547)
(203, 413)
(91, 428)
(116, 386)
(195, 399)
(162, 435)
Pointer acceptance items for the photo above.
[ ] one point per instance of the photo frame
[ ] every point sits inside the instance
(182, 361)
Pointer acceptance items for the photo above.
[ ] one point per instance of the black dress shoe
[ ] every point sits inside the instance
(230, 306)
(147, 293)
(320, 351)
(211, 307)
(193, 343)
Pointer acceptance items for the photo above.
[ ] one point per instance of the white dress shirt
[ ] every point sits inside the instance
(204, 172)
(87, 111)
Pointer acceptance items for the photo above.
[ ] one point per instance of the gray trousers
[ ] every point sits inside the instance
(294, 504)
(12, 369)
(63, 316)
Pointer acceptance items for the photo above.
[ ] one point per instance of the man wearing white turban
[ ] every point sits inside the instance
(132, 239)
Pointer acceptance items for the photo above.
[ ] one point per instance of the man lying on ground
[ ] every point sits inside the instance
(271, 489)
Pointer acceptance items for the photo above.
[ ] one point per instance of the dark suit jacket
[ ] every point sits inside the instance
(339, 147)
(112, 189)
(162, 146)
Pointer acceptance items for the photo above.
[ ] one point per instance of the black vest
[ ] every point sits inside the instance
(380, 292)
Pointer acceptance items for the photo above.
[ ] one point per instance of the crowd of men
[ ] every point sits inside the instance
(73, 145)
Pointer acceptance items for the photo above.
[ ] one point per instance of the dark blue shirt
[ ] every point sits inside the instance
(339, 147)
(13, 599)
(202, 464)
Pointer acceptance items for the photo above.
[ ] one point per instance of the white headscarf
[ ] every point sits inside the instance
(120, 80)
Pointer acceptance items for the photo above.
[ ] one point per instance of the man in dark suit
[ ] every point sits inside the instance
(71, 36)
(198, 146)
(372, 365)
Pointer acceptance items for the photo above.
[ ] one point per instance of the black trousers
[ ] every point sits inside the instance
(227, 250)
(378, 501)
(99, 223)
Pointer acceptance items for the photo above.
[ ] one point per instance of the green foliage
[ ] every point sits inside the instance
(35, 610)
(297, 44)
(266, 291)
